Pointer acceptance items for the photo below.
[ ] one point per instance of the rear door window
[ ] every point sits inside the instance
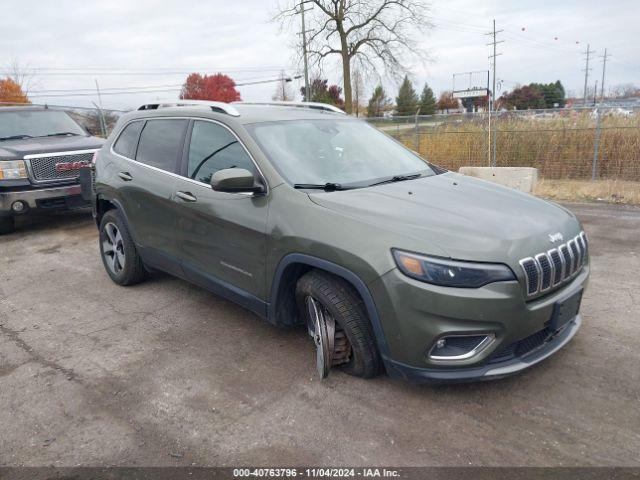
(161, 143)
(128, 140)
(212, 148)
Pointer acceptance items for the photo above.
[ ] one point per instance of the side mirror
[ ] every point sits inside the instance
(235, 180)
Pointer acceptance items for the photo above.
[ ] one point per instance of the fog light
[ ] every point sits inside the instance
(454, 348)
(18, 206)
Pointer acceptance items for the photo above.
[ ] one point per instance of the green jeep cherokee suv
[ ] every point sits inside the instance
(306, 216)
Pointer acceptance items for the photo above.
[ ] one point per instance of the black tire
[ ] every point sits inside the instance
(344, 304)
(124, 251)
(7, 225)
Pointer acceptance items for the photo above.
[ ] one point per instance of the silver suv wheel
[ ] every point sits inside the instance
(113, 248)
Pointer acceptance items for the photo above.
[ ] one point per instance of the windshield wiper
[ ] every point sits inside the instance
(59, 134)
(15, 137)
(397, 178)
(329, 187)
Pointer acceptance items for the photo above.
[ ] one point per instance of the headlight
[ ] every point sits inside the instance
(450, 273)
(13, 170)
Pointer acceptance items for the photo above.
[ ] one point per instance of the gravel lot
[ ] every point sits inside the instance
(165, 373)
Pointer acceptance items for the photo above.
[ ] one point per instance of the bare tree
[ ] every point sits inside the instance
(283, 91)
(22, 74)
(357, 90)
(377, 34)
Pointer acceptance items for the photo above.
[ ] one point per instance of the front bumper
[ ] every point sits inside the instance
(489, 371)
(53, 198)
(414, 315)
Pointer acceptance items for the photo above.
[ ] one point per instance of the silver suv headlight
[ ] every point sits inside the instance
(13, 170)
(451, 273)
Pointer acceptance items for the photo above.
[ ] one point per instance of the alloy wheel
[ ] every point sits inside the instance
(113, 248)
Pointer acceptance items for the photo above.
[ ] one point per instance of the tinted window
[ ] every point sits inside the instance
(128, 140)
(214, 148)
(161, 143)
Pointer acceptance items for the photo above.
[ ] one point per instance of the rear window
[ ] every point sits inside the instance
(128, 140)
(161, 143)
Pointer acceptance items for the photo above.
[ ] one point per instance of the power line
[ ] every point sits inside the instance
(586, 72)
(130, 91)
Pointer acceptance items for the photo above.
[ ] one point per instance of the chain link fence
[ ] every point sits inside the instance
(582, 144)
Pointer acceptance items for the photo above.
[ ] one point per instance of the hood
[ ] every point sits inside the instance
(15, 149)
(467, 218)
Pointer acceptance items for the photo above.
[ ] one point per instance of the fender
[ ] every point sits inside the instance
(120, 209)
(340, 271)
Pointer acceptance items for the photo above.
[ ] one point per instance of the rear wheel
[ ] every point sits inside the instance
(339, 325)
(118, 251)
(7, 225)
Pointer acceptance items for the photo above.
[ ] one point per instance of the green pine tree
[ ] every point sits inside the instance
(427, 101)
(377, 103)
(407, 99)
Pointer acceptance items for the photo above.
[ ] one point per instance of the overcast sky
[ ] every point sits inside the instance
(144, 43)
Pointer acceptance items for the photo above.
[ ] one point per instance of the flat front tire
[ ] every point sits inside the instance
(118, 251)
(334, 298)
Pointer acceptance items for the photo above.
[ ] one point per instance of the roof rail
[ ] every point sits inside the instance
(314, 105)
(214, 106)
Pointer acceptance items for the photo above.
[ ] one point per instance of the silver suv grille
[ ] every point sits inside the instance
(549, 269)
(57, 166)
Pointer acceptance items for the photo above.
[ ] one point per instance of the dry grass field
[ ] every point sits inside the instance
(560, 145)
(613, 191)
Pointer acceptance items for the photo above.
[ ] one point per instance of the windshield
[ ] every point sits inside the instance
(36, 123)
(334, 151)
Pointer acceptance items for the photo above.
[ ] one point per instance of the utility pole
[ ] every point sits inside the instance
(307, 92)
(595, 94)
(492, 95)
(604, 67)
(103, 123)
(586, 74)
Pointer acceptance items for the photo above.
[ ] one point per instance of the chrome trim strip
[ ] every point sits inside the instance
(526, 277)
(143, 119)
(567, 266)
(541, 289)
(60, 154)
(553, 267)
(484, 343)
(582, 248)
(311, 105)
(225, 107)
(574, 260)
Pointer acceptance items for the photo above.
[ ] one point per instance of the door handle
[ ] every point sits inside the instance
(186, 196)
(125, 176)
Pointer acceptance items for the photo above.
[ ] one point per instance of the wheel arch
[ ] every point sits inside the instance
(103, 205)
(282, 305)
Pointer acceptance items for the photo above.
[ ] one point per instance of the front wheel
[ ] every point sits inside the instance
(118, 251)
(338, 323)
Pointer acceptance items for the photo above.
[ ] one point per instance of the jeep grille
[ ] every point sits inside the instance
(549, 269)
(43, 168)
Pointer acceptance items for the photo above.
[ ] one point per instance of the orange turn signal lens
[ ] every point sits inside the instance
(411, 264)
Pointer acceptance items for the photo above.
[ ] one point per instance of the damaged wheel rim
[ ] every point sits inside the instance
(323, 335)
